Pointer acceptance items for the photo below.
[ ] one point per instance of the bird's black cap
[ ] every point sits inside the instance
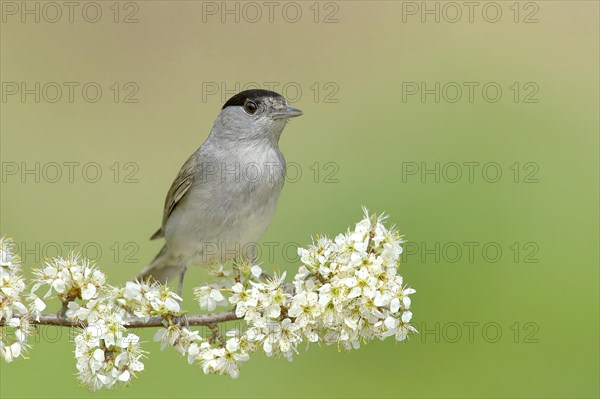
(255, 95)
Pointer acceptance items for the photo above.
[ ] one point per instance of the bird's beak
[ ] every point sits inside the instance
(287, 113)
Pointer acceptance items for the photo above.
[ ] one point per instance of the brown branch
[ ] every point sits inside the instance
(137, 322)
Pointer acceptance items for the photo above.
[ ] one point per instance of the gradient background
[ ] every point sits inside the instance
(370, 134)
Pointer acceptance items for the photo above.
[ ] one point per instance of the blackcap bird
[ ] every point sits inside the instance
(225, 194)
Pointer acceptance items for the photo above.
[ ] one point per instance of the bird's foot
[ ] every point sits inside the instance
(182, 321)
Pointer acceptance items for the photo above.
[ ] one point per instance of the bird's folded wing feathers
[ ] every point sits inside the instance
(178, 189)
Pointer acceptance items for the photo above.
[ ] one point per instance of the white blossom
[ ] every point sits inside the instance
(346, 291)
(13, 337)
(12, 283)
(209, 297)
(145, 299)
(70, 278)
(222, 360)
(105, 355)
(177, 336)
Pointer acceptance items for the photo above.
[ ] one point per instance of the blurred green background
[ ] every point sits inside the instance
(522, 322)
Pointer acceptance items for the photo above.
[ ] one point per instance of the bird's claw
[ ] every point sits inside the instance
(182, 321)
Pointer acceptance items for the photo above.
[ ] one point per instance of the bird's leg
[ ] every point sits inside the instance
(182, 320)
(181, 274)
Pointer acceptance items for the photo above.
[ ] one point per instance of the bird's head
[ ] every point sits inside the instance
(254, 115)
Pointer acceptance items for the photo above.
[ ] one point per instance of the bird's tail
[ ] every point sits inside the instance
(161, 269)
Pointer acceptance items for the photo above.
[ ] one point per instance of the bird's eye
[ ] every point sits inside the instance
(250, 107)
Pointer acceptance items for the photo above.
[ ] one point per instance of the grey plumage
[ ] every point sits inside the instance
(225, 194)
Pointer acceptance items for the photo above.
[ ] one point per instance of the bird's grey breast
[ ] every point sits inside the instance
(230, 204)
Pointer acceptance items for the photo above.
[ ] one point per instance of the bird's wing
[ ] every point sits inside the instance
(178, 189)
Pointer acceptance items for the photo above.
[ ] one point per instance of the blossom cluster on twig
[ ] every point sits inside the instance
(346, 291)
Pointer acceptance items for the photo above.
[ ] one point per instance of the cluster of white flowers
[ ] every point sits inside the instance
(347, 290)
(70, 278)
(223, 359)
(209, 297)
(105, 355)
(351, 287)
(265, 306)
(145, 299)
(13, 335)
